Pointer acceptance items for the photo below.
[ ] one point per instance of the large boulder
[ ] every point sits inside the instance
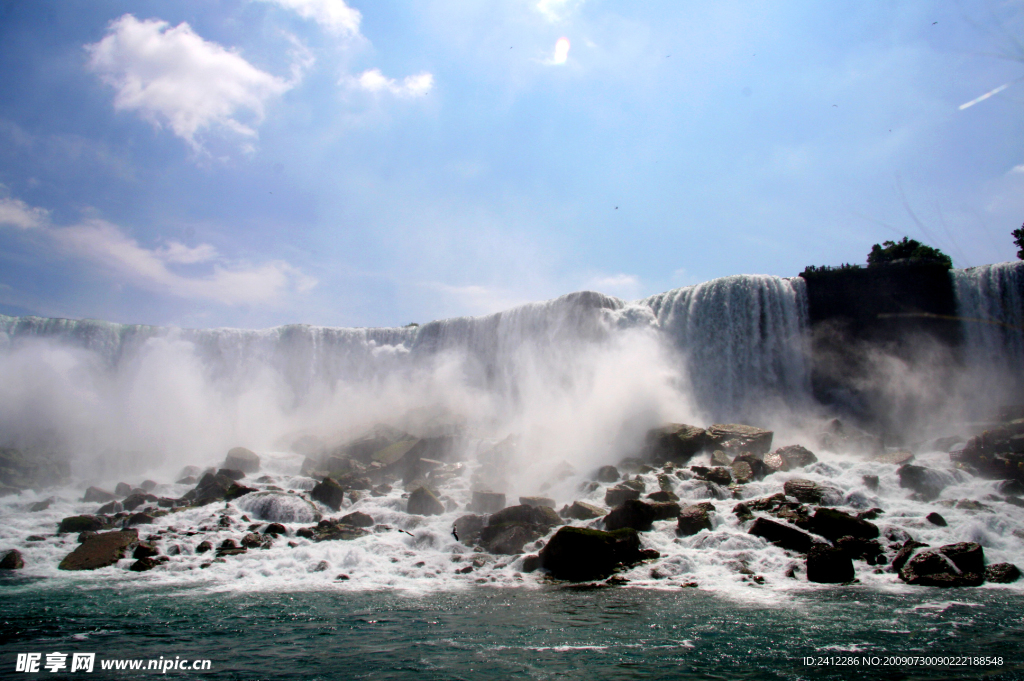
(12, 560)
(833, 524)
(632, 513)
(782, 535)
(357, 519)
(423, 501)
(242, 459)
(487, 502)
(926, 482)
(329, 493)
(693, 519)
(213, 488)
(620, 494)
(122, 489)
(98, 496)
(740, 439)
(278, 507)
(581, 510)
(577, 554)
(757, 466)
(997, 452)
(100, 550)
(81, 523)
(810, 492)
(828, 565)
(961, 564)
(511, 528)
(331, 530)
(998, 573)
(467, 528)
(676, 442)
(607, 474)
(537, 501)
(788, 458)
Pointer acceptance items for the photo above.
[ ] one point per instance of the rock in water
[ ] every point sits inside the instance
(676, 442)
(739, 438)
(512, 528)
(122, 489)
(537, 501)
(828, 565)
(952, 565)
(693, 519)
(618, 495)
(925, 481)
(242, 459)
(213, 488)
(81, 523)
(580, 510)
(279, 507)
(998, 573)
(12, 560)
(607, 474)
(784, 536)
(632, 513)
(329, 493)
(810, 492)
(358, 519)
(422, 501)
(468, 528)
(788, 458)
(100, 551)
(833, 524)
(936, 519)
(487, 502)
(97, 495)
(577, 554)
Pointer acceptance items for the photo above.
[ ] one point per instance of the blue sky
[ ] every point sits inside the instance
(260, 162)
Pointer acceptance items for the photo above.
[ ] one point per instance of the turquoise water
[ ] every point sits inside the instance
(485, 633)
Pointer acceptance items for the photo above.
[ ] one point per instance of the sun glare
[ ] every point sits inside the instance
(561, 51)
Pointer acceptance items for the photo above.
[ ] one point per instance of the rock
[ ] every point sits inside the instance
(139, 519)
(148, 485)
(966, 556)
(810, 492)
(720, 458)
(240, 458)
(719, 476)
(788, 458)
(860, 548)
(869, 514)
(738, 438)
(423, 501)
(742, 472)
(144, 564)
(1013, 488)
(828, 565)
(757, 466)
(536, 515)
(275, 529)
(784, 536)
(468, 527)
(607, 474)
(632, 513)
(81, 523)
(537, 501)
(145, 550)
(581, 510)
(232, 473)
(936, 519)
(663, 496)
(948, 566)
(925, 481)
(133, 501)
(487, 502)
(509, 538)
(190, 472)
(871, 482)
(996, 453)
(213, 488)
(122, 489)
(204, 546)
(693, 519)
(676, 442)
(88, 534)
(12, 560)
(100, 551)
(531, 563)
(252, 541)
(41, 505)
(897, 458)
(905, 552)
(578, 554)
(998, 573)
(110, 508)
(833, 524)
(618, 495)
(329, 493)
(841, 437)
(97, 495)
(358, 519)
(279, 507)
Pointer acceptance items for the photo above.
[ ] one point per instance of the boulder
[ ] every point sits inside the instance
(204, 546)
(133, 501)
(925, 481)
(871, 482)
(279, 507)
(190, 472)
(329, 493)
(468, 528)
(144, 564)
(862, 549)
(254, 541)
(242, 459)
(757, 466)
(693, 519)
(618, 495)
(139, 519)
(581, 510)
(998, 573)
(422, 501)
(536, 515)
(897, 458)
(719, 475)
(784, 536)
(275, 529)
(833, 524)
(12, 560)
(100, 551)
(720, 458)
(663, 496)
(578, 554)
(81, 523)
(98, 496)
(122, 489)
(110, 508)
(788, 458)
(997, 452)
(742, 472)
(487, 502)
(809, 492)
(357, 519)
(531, 563)
(232, 473)
(905, 553)
(632, 513)
(828, 565)
(841, 437)
(952, 565)
(213, 488)
(537, 501)
(936, 519)
(145, 550)
(41, 505)
(509, 538)
(739, 438)
(148, 485)
(676, 442)
(607, 474)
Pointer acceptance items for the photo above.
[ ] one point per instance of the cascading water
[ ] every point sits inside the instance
(990, 302)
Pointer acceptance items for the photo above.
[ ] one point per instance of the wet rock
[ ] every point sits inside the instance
(12, 560)
(100, 551)
(148, 485)
(204, 546)
(833, 524)
(468, 528)
(742, 472)
(190, 472)
(332, 530)
(953, 565)
(139, 519)
(720, 458)
(81, 523)
(531, 563)
(663, 496)
(936, 519)
(869, 514)
(607, 474)
(133, 501)
(632, 513)
(925, 481)
(743, 512)
(1011, 488)
(998, 573)
(905, 552)
(784, 536)
(232, 473)
(788, 458)
(329, 493)
(859, 548)
(253, 541)
(322, 566)
(618, 495)
(212, 488)
(358, 519)
(810, 492)
(537, 501)
(828, 565)
(577, 554)
(275, 529)
(898, 458)
(757, 466)
(41, 505)
(739, 438)
(487, 502)
(240, 458)
(996, 453)
(110, 508)
(676, 442)
(145, 550)
(148, 563)
(122, 489)
(695, 518)
(97, 495)
(719, 476)
(581, 510)
(423, 501)
(88, 534)
(512, 528)
(871, 482)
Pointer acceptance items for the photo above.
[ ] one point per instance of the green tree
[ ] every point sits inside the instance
(906, 251)
(1018, 240)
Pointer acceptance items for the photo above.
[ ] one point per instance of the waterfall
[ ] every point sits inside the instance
(990, 303)
(743, 339)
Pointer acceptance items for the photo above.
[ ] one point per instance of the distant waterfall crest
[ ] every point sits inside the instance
(990, 302)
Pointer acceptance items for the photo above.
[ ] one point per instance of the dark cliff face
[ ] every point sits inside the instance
(871, 325)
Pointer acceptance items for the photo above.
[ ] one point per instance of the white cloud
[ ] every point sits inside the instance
(1018, 169)
(411, 86)
(334, 15)
(557, 10)
(622, 285)
(15, 213)
(475, 299)
(171, 76)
